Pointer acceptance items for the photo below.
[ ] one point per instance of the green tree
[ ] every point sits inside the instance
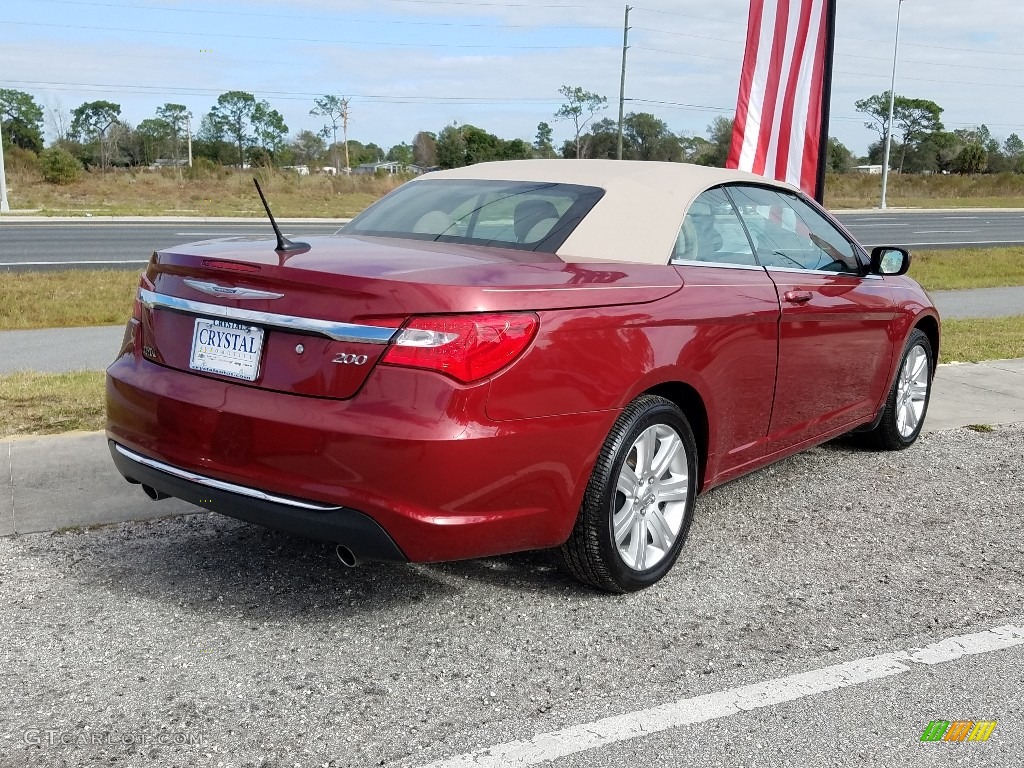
(913, 119)
(840, 159)
(424, 149)
(212, 142)
(1013, 147)
(268, 128)
(400, 153)
(59, 166)
(460, 145)
(308, 148)
(95, 124)
(650, 138)
(542, 143)
(21, 120)
(972, 159)
(335, 110)
(579, 108)
(152, 137)
(716, 151)
(232, 117)
(601, 142)
(177, 118)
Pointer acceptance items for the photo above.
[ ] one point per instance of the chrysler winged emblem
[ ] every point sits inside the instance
(231, 291)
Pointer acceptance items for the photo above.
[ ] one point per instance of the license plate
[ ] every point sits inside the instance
(230, 349)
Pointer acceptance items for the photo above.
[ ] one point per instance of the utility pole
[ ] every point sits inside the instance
(344, 128)
(4, 205)
(892, 105)
(622, 82)
(188, 132)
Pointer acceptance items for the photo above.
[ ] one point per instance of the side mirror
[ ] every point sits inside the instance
(887, 260)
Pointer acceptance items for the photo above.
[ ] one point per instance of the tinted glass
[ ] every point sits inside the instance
(712, 232)
(790, 233)
(524, 215)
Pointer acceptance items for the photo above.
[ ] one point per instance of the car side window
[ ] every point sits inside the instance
(790, 233)
(712, 232)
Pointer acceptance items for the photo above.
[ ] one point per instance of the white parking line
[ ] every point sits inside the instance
(946, 232)
(713, 706)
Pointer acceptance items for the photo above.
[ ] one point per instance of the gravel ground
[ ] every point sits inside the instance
(267, 652)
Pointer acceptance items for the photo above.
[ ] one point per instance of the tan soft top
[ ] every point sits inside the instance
(639, 217)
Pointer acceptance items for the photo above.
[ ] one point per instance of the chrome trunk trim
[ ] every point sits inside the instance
(360, 334)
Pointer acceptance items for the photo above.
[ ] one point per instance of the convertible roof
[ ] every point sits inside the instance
(639, 217)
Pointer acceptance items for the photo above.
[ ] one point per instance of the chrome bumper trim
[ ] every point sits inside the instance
(360, 334)
(220, 485)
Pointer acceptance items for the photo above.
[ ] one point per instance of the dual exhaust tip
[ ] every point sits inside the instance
(345, 555)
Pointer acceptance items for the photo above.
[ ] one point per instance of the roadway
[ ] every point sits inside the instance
(120, 244)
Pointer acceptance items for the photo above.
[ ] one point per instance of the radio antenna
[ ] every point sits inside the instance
(284, 245)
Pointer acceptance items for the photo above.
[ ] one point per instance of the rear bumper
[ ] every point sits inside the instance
(412, 453)
(311, 520)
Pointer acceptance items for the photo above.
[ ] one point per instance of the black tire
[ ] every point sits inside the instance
(887, 435)
(591, 553)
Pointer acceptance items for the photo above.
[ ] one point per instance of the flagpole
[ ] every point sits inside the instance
(826, 102)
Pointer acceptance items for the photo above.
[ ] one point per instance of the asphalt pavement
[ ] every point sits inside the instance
(33, 243)
(824, 611)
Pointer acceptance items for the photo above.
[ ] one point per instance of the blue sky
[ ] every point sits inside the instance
(411, 65)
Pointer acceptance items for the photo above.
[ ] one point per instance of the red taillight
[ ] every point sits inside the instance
(133, 330)
(465, 347)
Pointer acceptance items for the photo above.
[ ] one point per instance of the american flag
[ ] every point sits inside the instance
(778, 128)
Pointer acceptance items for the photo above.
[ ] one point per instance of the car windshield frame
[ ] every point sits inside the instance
(456, 210)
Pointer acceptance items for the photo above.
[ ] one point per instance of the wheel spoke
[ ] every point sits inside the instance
(638, 544)
(660, 530)
(910, 418)
(919, 369)
(667, 452)
(624, 521)
(628, 481)
(646, 447)
(675, 489)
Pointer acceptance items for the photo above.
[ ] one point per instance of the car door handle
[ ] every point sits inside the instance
(797, 297)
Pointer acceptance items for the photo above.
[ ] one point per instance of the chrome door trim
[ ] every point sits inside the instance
(360, 334)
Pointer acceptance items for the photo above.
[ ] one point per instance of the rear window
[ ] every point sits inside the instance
(527, 216)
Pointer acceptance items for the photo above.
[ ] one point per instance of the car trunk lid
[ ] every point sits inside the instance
(315, 322)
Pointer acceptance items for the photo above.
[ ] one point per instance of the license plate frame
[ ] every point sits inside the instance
(226, 348)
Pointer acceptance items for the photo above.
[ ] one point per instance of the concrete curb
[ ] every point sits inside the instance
(69, 480)
(62, 481)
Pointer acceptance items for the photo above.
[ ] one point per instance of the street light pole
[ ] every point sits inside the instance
(4, 205)
(892, 106)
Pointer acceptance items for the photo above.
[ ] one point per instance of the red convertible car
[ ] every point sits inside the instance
(514, 356)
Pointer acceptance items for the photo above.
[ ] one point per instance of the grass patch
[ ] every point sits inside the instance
(67, 299)
(983, 428)
(49, 403)
(991, 338)
(968, 268)
(218, 192)
(853, 190)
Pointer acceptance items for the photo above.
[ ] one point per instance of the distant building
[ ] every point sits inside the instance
(390, 167)
(164, 163)
(871, 170)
